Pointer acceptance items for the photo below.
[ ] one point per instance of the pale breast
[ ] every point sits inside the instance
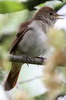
(34, 42)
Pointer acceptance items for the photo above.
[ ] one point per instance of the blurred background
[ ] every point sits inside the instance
(12, 14)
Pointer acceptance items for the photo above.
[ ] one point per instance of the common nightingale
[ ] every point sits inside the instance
(31, 40)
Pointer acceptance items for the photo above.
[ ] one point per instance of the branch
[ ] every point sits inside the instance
(26, 59)
(32, 3)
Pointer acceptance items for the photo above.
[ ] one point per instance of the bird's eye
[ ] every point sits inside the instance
(50, 13)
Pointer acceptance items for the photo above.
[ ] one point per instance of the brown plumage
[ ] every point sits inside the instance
(16, 67)
(30, 40)
(13, 76)
(23, 28)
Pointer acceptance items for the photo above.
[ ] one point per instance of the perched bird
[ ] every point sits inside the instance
(31, 40)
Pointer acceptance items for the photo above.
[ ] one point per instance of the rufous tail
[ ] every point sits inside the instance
(13, 76)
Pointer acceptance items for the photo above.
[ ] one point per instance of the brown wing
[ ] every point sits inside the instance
(23, 28)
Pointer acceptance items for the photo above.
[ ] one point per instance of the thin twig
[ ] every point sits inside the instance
(29, 80)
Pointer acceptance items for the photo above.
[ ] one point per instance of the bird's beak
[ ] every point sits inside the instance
(59, 16)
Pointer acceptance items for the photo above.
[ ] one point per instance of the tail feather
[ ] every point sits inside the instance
(13, 76)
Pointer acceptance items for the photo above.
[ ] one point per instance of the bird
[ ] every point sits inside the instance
(31, 40)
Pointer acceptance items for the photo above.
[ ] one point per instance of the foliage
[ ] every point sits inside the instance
(12, 14)
(13, 6)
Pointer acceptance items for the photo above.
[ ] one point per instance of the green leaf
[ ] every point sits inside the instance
(11, 6)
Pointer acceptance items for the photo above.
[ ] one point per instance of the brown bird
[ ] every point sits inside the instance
(31, 40)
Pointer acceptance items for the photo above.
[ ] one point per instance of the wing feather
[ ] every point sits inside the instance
(23, 28)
